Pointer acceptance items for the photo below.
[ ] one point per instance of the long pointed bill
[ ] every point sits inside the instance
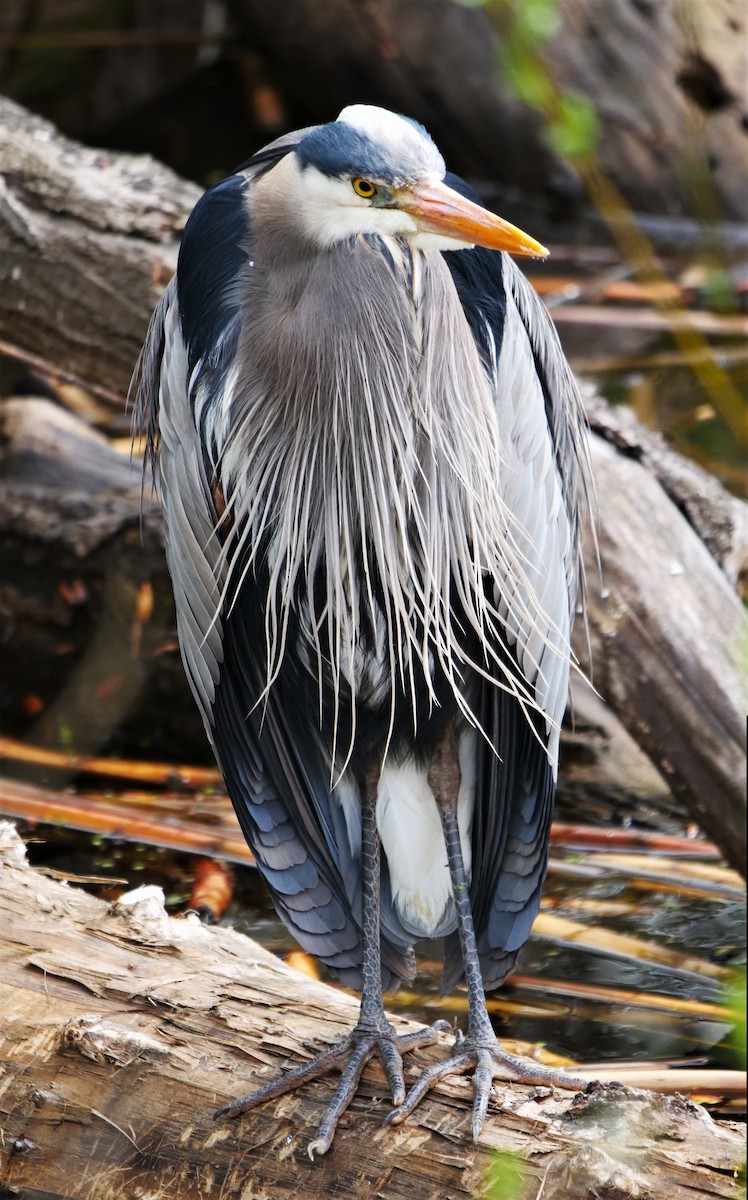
(439, 209)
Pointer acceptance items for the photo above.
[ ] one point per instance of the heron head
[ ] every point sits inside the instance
(375, 172)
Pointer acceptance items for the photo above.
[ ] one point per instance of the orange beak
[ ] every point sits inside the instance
(439, 209)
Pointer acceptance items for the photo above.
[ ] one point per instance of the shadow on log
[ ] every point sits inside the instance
(79, 552)
(123, 1028)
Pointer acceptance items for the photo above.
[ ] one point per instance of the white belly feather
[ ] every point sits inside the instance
(411, 834)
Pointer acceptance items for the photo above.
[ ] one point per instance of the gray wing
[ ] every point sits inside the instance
(542, 424)
(542, 482)
(164, 413)
(279, 788)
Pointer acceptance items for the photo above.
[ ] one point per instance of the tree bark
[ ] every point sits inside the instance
(122, 1029)
(86, 242)
(667, 633)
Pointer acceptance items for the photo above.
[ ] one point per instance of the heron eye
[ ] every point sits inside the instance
(365, 188)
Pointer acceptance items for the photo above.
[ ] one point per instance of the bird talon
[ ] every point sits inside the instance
(318, 1146)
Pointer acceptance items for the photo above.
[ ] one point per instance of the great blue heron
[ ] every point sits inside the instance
(369, 446)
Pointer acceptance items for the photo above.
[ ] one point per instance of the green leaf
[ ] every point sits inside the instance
(528, 78)
(573, 131)
(736, 1000)
(539, 20)
(506, 1178)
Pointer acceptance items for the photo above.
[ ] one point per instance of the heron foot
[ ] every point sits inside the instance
(350, 1056)
(485, 1058)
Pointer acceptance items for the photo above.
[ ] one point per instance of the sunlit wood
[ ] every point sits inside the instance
(621, 996)
(605, 941)
(572, 835)
(117, 768)
(32, 803)
(647, 865)
(700, 1082)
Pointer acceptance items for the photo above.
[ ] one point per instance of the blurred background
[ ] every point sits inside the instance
(616, 131)
(656, 86)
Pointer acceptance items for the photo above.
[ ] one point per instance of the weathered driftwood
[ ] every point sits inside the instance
(667, 628)
(122, 1028)
(87, 242)
(666, 621)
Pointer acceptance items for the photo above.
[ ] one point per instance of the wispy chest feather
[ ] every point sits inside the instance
(365, 446)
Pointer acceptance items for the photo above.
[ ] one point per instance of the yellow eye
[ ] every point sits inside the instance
(365, 188)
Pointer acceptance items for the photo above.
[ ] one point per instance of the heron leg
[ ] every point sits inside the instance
(372, 1032)
(479, 1051)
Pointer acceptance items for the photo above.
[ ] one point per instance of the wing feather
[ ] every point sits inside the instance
(274, 773)
(542, 484)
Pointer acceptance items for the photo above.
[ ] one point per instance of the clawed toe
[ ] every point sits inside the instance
(524, 1070)
(487, 1061)
(483, 1057)
(350, 1056)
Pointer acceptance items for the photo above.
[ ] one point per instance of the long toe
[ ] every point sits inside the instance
(524, 1070)
(350, 1057)
(287, 1082)
(344, 1093)
(393, 1068)
(487, 1061)
(390, 1049)
(456, 1065)
(482, 1081)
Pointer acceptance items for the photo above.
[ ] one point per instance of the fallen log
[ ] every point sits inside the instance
(88, 240)
(123, 1028)
(667, 632)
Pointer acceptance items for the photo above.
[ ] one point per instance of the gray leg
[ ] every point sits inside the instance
(479, 1051)
(373, 1031)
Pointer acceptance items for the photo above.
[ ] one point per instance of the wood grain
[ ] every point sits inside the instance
(121, 1029)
